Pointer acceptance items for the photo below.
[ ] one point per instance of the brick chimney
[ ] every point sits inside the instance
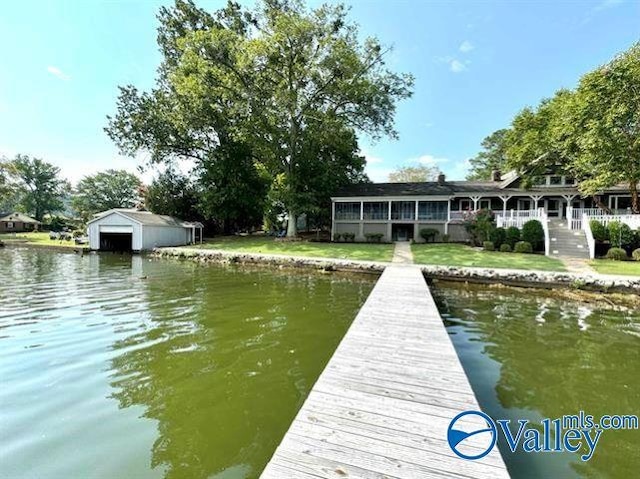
(441, 179)
(496, 175)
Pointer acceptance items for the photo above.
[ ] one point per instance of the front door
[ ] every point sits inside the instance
(553, 208)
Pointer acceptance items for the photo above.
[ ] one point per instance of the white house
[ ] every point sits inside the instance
(139, 230)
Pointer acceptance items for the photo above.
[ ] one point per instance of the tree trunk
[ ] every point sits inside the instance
(292, 226)
(635, 203)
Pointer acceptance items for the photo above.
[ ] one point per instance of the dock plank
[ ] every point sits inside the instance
(382, 405)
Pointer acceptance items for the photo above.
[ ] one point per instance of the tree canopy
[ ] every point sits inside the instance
(174, 194)
(271, 80)
(106, 190)
(492, 157)
(37, 186)
(414, 174)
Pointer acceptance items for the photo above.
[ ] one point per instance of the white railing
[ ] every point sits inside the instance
(574, 215)
(633, 221)
(545, 226)
(591, 242)
(519, 218)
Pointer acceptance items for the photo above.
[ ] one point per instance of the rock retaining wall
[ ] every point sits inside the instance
(513, 277)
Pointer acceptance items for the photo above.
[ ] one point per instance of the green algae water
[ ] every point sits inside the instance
(529, 355)
(126, 367)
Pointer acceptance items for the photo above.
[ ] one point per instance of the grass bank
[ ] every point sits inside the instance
(268, 245)
(452, 254)
(606, 266)
(38, 239)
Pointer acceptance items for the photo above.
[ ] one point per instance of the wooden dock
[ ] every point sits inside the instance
(382, 406)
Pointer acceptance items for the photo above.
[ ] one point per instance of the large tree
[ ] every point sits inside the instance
(106, 190)
(492, 157)
(601, 126)
(259, 77)
(7, 188)
(174, 194)
(39, 186)
(414, 174)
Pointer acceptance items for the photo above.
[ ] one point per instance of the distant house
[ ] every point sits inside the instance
(17, 223)
(139, 230)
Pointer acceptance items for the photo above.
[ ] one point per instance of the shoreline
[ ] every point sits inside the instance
(509, 277)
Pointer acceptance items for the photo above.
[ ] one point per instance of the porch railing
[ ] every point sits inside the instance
(575, 215)
(518, 218)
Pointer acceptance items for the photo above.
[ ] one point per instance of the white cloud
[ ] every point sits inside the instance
(55, 71)
(466, 46)
(605, 4)
(456, 66)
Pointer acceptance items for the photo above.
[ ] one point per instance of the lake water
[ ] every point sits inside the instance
(531, 356)
(135, 368)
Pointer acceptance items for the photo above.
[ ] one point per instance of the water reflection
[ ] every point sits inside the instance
(531, 356)
(139, 368)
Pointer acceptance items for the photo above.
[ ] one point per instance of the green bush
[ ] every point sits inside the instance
(488, 246)
(479, 225)
(532, 232)
(617, 254)
(620, 234)
(374, 237)
(77, 233)
(505, 248)
(512, 236)
(337, 236)
(429, 234)
(636, 254)
(523, 247)
(498, 236)
(445, 238)
(350, 237)
(599, 231)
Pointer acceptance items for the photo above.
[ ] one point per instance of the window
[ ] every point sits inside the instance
(555, 180)
(466, 205)
(10, 225)
(433, 210)
(403, 210)
(376, 211)
(569, 180)
(347, 211)
(484, 204)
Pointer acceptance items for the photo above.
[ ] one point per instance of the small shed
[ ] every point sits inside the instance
(139, 230)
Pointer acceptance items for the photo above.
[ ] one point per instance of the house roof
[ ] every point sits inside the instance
(147, 218)
(18, 217)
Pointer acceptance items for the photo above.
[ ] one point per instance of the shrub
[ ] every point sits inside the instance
(488, 246)
(78, 233)
(512, 236)
(505, 248)
(620, 234)
(349, 237)
(374, 237)
(532, 232)
(523, 247)
(479, 225)
(337, 236)
(599, 231)
(445, 238)
(617, 254)
(429, 234)
(636, 254)
(498, 236)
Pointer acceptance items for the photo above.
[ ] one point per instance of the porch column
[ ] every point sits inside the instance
(361, 210)
(504, 199)
(361, 225)
(568, 198)
(416, 211)
(446, 225)
(475, 200)
(333, 218)
(389, 212)
(536, 199)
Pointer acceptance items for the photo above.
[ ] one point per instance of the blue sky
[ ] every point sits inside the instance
(476, 64)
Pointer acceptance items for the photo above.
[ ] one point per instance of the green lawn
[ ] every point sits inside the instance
(39, 239)
(451, 254)
(606, 266)
(266, 244)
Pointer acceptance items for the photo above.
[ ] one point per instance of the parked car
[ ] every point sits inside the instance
(82, 240)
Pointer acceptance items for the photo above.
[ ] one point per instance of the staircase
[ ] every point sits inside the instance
(566, 243)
